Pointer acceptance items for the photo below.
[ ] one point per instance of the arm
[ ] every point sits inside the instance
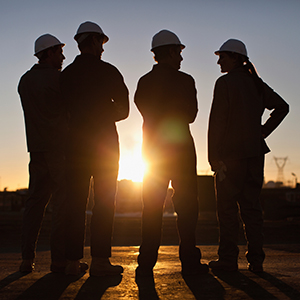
(146, 99)
(138, 98)
(217, 124)
(280, 109)
(192, 109)
(120, 98)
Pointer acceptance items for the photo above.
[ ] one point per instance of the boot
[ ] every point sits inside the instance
(223, 265)
(58, 266)
(101, 266)
(27, 266)
(75, 267)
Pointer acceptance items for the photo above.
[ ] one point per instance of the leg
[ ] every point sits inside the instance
(102, 224)
(105, 184)
(154, 194)
(105, 165)
(105, 172)
(186, 206)
(39, 195)
(251, 211)
(56, 166)
(185, 199)
(228, 193)
(77, 178)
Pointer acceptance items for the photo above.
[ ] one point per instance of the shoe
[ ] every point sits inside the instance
(27, 266)
(58, 266)
(102, 267)
(75, 267)
(255, 268)
(222, 265)
(143, 272)
(195, 270)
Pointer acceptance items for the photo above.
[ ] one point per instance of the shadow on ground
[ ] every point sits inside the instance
(50, 286)
(240, 284)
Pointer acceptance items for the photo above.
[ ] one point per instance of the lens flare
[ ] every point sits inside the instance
(131, 165)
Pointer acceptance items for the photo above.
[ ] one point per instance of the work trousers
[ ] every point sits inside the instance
(179, 166)
(100, 159)
(47, 177)
(239, 192)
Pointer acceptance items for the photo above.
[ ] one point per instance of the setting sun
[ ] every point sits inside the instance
(132, 166)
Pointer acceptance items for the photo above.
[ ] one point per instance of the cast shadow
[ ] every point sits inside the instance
(241, 282)
(146, 286)
(51, 286)
(205, 287)
(11, 278)
(282, 286)
(95, 287)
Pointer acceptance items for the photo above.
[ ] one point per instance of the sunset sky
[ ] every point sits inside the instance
(269, 28)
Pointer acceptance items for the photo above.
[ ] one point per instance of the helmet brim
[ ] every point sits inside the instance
(76, 37)
(61, 44)
(219, 51)
(181, 46)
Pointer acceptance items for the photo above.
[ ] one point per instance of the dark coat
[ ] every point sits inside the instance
(167, 100)
(44, 113)
(95, 95)
(235, 123)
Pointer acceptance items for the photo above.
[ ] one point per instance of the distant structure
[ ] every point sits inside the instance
(280, 163)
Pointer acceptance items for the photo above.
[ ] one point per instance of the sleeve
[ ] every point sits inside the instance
(120, 97)
(273, 101)
(218, 121)
(192, 109)
(138, 98)
(147, 100)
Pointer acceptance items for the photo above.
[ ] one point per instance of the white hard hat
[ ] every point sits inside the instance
(85, 29)
(165, 37)
(233, 45)
(44, 42)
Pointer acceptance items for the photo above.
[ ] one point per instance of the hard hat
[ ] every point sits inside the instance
(46, 41)
(85, 29)
(233, 45)
(165, 37)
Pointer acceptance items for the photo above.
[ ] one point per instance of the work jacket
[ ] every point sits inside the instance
(167, 100)
(95, 95)
(44, 113)
(235, 124)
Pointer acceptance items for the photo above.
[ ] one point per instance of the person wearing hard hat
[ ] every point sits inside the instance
(96, 98)
(45, 122)
(236, 150)
(167, 101)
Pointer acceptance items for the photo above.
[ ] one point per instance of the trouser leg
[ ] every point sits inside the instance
(103, 215)
(154, 194)
(56, 163)
(228, 193)
(105, 172)
(229, 232)
(78, 178)
(185, 202)
(251, 211)
(39, 195)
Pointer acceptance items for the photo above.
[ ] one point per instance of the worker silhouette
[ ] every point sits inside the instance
(236, 150)
(45, 122)
(96, 98)
(166, 98)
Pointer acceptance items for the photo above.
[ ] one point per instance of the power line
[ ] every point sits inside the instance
(280, 163)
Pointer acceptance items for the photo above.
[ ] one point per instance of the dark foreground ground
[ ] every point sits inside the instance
(281, 279)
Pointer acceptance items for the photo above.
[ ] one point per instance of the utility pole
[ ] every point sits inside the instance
(294, 175)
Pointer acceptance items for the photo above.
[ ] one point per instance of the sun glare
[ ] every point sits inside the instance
(131, 165)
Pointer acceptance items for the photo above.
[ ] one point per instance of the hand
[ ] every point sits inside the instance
(220, 168)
